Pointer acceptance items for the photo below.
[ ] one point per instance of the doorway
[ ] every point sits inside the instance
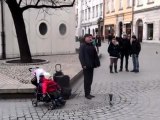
(120, 29)
(140, 30)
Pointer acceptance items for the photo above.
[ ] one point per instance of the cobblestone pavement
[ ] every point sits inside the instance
(136, 96)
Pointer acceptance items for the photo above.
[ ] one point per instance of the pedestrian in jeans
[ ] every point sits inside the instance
(114, 52)
(135, 50)
(89, 60)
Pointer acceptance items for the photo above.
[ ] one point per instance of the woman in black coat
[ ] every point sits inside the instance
(114, 53)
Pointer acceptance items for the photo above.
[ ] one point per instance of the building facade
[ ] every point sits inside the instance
(118, 17)
(147, 20)
(90, 12)
(48, 33)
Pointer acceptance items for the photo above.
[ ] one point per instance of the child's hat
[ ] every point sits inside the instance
(47, 75)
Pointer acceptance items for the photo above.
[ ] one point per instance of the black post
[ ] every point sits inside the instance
(3, 33)
(110, 99)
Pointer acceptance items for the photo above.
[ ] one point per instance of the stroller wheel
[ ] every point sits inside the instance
(63, 102)
(52, 105)
(34, 103)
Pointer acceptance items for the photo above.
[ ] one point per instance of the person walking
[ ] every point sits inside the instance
(89, 60)
(124, 51)
(98, 42)
(135, 50)
(114, 52)
(110, 36)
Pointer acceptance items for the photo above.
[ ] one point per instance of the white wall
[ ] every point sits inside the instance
(52, 42)
(85, 24)
(145, 4)
(0, 35)
(148, 15)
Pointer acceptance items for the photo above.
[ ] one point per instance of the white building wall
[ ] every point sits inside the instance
(144, 4)
(148, 13)
(50, 43)
(0, 35)
(91, 23)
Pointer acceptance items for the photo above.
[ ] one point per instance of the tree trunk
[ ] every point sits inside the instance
(17, 15)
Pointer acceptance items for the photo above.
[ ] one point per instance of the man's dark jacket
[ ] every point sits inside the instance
(88, 56)
(135, 47)
(125, 46)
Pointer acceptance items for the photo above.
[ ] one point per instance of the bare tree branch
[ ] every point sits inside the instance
(20, 1)
(37, 2)
(53, 5)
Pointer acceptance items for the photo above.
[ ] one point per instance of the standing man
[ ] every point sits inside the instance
(135, 50)
(124, 51)
(89, 60)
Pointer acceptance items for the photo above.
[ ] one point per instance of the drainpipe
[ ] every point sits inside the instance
(132, 15)
(3, 33)
(104, 18)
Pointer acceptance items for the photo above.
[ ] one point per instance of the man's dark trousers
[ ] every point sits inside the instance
(126, 55)
(88, 78)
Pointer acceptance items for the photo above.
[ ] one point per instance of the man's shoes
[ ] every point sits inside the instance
(136, 71)
(132, 71)
(127, 70)
(88, 97)
(92, 96)
(120, 70)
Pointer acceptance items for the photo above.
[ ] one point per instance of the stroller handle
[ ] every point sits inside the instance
(30, 69)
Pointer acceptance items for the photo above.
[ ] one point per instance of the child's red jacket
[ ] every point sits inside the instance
(49, 86)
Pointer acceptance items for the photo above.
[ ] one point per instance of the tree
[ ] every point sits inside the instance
(17, 7)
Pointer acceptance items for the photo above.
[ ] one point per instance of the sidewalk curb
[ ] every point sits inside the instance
(25, 92)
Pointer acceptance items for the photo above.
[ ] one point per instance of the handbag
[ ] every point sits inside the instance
(96, 62)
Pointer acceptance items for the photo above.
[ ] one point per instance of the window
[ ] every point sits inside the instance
(62, 29)
(101, 9)
(82, 15)
(89, 12)
(85, 14)
(107, 6)
(112, 5)
(150, 1)
(129, 3)
(150, 31)
(120, 5)
(96, 10)
(93, 11)
(139, 3)
(43, 28)
(82, 2)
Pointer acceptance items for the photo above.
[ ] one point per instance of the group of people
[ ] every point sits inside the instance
(124, 47)
(118, 48)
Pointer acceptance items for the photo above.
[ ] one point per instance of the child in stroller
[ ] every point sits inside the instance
(48, 91)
